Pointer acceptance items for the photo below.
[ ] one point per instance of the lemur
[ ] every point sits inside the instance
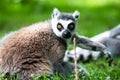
(39, 49)
(110, 38)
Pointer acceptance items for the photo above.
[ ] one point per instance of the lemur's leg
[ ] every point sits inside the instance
(66, 68)
(86, 43)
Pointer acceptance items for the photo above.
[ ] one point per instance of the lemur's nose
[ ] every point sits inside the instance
(66, 34)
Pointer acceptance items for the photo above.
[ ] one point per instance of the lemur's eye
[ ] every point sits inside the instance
(71, 26)
(59, 26)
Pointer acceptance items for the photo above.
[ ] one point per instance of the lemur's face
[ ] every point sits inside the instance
(64, 24)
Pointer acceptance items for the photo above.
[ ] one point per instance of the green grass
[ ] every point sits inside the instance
(99, 70)
(96, 16)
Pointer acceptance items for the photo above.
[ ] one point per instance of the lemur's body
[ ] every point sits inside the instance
(111, 39)
(39, 49)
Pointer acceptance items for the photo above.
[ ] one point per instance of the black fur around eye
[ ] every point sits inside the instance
(59, 26)
(71, 26)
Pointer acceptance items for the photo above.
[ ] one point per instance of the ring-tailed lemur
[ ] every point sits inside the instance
(39, 49)
(111, 39)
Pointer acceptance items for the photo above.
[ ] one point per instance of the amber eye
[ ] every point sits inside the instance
(71, 26)
(59, 26)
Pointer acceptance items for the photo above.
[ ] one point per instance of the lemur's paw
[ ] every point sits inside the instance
(108, 55)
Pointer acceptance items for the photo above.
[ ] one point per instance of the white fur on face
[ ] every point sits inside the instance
(64, 19)
(64, 24)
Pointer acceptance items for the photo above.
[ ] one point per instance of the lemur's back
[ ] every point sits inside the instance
(31, 46)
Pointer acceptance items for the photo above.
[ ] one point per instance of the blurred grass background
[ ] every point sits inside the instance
(96, 16)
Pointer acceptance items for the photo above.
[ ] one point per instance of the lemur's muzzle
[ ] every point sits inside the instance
(66, 34)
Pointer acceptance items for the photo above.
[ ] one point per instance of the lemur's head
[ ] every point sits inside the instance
(64, 24)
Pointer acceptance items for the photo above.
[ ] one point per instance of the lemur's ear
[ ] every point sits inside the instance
(76, 15)
(56, 12)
